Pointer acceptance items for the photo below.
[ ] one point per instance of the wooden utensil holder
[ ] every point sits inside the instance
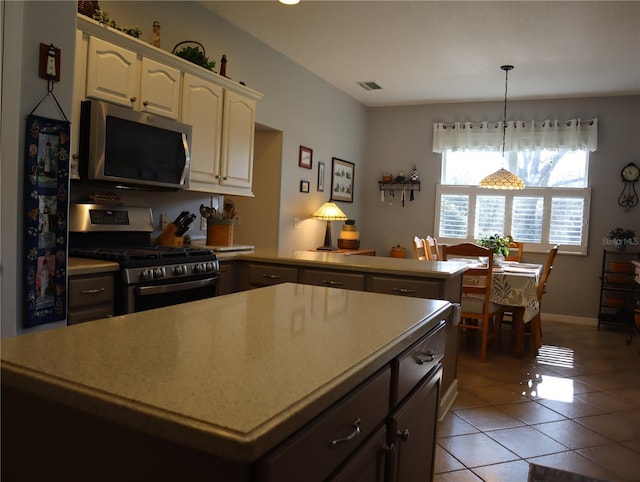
(168, 237)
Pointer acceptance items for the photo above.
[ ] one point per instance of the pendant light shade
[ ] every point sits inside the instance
(502, 178)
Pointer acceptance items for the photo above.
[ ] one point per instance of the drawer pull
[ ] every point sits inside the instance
(271, 276)
(92, 292)
(332, 283)
(425, 358)
(404, 435)
(351, 436)
(403, 291)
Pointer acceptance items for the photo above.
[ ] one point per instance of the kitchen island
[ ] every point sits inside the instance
(220, 386)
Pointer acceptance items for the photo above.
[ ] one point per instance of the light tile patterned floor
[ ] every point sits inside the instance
(576, 407)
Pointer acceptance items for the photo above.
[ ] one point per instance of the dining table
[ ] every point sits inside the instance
(514, 286)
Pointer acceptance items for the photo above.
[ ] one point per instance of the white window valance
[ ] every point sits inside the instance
(572, 134)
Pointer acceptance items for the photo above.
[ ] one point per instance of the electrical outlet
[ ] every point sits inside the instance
(296, 223)
(164, 220)
(203, 223)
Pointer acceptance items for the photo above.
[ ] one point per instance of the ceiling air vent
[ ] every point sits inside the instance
(369, 85)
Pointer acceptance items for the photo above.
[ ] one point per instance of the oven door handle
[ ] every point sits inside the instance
(173, 287)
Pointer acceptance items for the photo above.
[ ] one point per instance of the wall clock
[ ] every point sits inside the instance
(629, 197)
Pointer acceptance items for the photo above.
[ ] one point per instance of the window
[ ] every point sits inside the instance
(553, 209)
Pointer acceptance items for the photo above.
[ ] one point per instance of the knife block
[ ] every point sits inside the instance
(168, 237)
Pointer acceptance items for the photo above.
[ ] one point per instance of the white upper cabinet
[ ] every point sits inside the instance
(238, 127)
(160, 87)
(202, 109)
(121, 76)
(113, 73)
(129, 72)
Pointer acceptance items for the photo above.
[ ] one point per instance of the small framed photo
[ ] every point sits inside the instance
(304, 186)
(342, 173)
(305, 158)
(321, 177)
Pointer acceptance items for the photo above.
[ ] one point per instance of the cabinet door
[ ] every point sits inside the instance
(404, 287)
(368, 463)
(202, 109)
(349, 281)
(237, 140)
(113, 73)
(160, 89)
(412, 431)
(90, 297)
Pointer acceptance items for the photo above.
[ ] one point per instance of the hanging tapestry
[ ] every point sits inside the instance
(46, 208)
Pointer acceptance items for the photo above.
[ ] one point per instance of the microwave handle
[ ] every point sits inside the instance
(187, 160)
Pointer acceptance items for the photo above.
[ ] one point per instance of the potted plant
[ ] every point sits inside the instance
(499, 245)
(621, 237)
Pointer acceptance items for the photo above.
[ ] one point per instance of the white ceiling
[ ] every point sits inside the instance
(451, 51)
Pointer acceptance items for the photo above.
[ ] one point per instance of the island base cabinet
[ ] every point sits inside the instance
(46, 440)
(320, 448)
(412, 434)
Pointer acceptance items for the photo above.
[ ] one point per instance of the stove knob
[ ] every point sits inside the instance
(146, 274)
(159, 272)
(210, 266)
(197, 268)
(180, 270)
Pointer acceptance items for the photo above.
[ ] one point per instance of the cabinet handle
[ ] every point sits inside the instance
(133, 99)
(404, 435)
(351, 436)
(270, 276)
(332, 283)
(425, 358)
(224, 178)
(403, 291)
(92, 292)
(145, 103)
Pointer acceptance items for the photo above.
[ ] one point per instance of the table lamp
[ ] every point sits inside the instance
(328, 212)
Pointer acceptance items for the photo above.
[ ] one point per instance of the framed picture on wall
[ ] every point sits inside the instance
(321, 177)
(304, 186)
(305, 157)
(342, 173)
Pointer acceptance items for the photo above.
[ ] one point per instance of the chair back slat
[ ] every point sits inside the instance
(419, 249)
(516, 249)
(431, 248)
(548, 266)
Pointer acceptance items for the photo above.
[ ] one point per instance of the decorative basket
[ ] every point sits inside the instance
(193, 54)
(219, 232)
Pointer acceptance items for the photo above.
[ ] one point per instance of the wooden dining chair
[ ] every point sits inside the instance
(419, 249)
(432, 249)
(516, 249)
(541, 288)
(478, 313)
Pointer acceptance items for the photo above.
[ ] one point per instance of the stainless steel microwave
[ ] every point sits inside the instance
(131, 148)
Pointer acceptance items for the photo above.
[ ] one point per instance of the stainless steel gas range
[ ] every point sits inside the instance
(149, 276)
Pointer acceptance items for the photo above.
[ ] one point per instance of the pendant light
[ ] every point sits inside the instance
(502, 178)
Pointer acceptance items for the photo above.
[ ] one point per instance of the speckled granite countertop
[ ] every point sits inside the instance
(371, 264)
(232, 375)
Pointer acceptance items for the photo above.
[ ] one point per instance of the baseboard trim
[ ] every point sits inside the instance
(575, 320)
(447, 400)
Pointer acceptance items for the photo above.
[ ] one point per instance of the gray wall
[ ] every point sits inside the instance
(402, 136)
(309, 112)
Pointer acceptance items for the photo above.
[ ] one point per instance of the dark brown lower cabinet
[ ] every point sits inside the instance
(411, 431)
(368, 463)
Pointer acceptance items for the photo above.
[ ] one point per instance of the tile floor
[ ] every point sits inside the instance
(576, 407)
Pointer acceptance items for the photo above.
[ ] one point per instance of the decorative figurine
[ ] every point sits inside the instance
(223, 66)
(155, 36)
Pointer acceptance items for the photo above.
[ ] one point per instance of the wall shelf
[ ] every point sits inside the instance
(398, 185)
